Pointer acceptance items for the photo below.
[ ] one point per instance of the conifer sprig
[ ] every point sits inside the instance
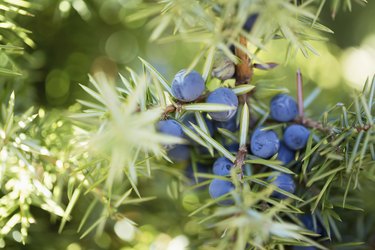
(108, 147)
(13, 37)
(26, 174)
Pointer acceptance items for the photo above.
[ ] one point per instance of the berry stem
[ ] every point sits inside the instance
(310, 123)
(167, 110)
(300, 93)
(178, 106)
(244, 69)
(170, 109)
(240, 160)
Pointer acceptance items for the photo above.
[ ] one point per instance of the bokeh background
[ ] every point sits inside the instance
(76, 37)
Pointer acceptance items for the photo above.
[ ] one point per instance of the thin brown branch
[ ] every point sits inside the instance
(169, 109)
(310, 123)
(244, 69)
(300, 93)
(240, 160)
(244, 73)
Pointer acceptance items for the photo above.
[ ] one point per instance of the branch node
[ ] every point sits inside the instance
(240, 159)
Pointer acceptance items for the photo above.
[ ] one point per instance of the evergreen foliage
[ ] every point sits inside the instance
(103, 161)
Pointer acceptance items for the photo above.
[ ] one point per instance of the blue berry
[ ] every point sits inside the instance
(219, 188)
(210, 126)
(179, 153)
(223, 96)
(283, 108)
(284, 182)
(250, 21)
(191, 118)
(264, 144)
(200, 168)
(202, 151)
(296, 136)
(170, 127)
(233, 147)
(187, 87)
(176, 152)
(222, 166)
(304, 248)
(285, 155)
(230, 125)
(308, 221)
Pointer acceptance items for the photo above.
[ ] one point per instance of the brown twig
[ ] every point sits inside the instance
(301, 119)
(244, 69)
(240, 159)
(300, 93)
(310, 123)
(169, 109)
(244, 73)
(313, 124)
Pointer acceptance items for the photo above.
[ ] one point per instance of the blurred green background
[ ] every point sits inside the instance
(76, 37)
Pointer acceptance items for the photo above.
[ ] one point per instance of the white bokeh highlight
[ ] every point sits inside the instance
(359, 63)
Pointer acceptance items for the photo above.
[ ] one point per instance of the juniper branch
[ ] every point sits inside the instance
(243, 73)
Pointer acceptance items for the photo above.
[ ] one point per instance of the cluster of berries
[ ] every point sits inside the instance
(265, 144)
(187, 87)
